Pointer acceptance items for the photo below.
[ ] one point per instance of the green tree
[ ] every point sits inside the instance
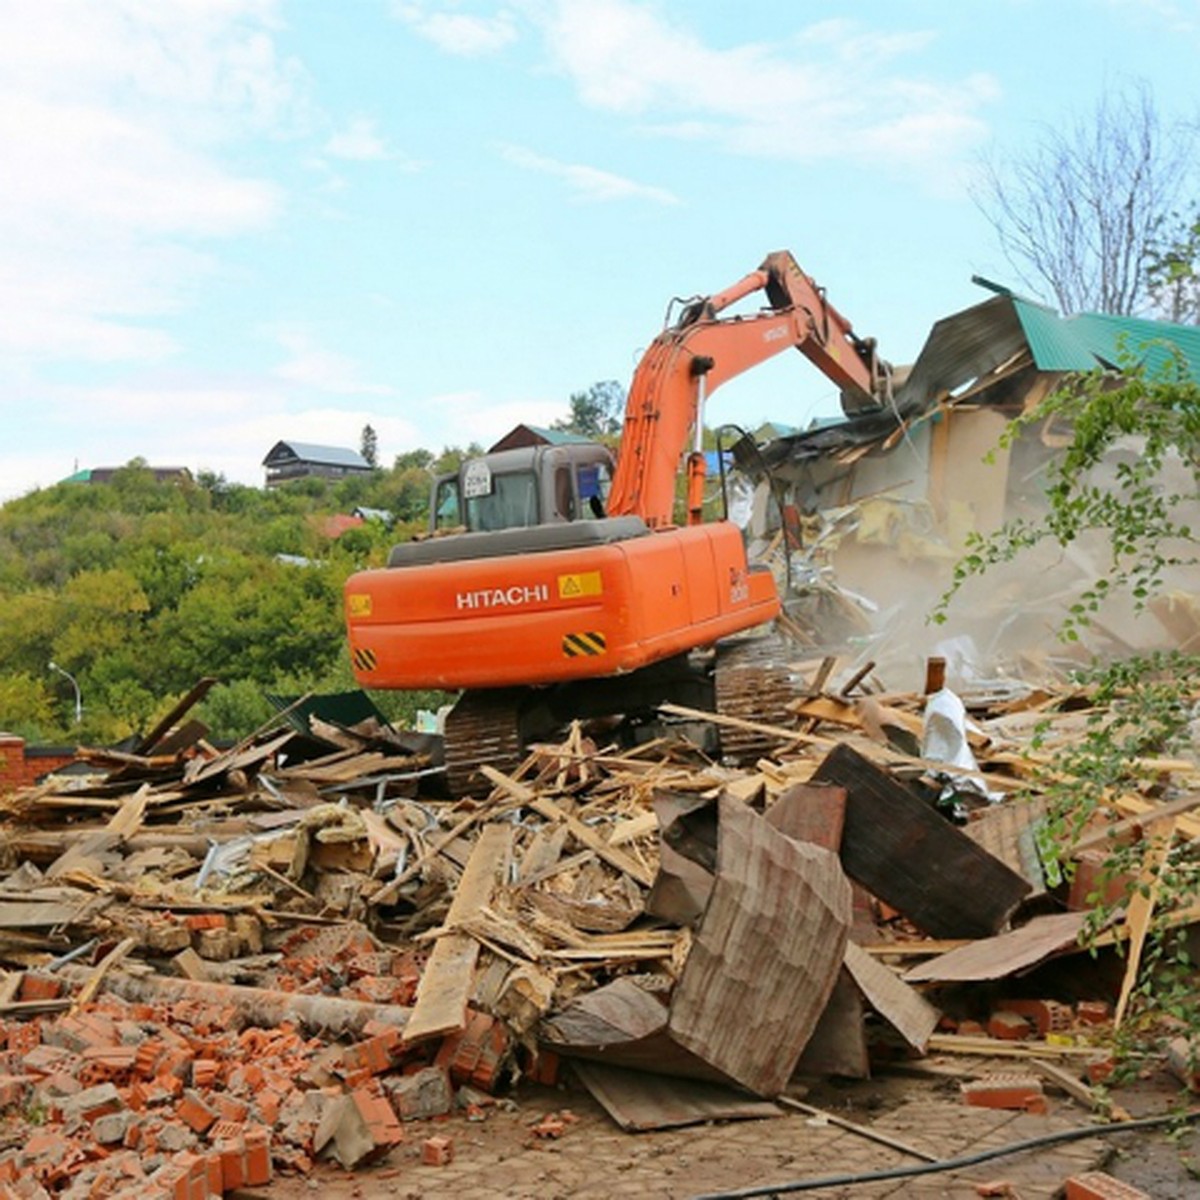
(369, 446)
(596, 413)
(1143, 705)
(1173, 273)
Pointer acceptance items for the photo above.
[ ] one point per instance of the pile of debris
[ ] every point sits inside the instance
(227, 963)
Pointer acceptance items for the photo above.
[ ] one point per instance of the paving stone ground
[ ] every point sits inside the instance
(594, 1160)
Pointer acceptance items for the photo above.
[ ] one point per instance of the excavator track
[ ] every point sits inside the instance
(753, 683)
(482, 729)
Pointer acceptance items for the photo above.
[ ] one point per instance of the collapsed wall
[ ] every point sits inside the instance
(863, 522)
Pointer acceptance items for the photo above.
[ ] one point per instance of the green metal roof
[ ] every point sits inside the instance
(1083, 342)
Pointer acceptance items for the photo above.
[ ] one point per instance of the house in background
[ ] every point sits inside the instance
(537, 435)
(105, 474)
(303, 460)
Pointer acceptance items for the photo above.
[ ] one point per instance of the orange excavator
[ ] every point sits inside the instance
(559, 596)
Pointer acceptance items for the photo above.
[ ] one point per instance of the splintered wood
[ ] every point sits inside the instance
(648, 906)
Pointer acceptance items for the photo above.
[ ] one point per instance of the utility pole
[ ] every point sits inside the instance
(75, 684)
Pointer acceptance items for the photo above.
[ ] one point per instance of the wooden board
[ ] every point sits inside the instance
(838, 1045)
(999, 957)
(907, 854)
(639, 1101)
(903, 1007)
(766, 954)
(445, 986)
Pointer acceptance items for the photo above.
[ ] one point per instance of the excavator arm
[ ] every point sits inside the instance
(702, 350)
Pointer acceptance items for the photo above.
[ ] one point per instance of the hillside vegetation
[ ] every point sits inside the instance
(138, 589)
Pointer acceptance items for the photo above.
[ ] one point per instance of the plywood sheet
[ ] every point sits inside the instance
(766, 953)
(999, 957)
(902, 1006)
(907, 854)
(639, 1101)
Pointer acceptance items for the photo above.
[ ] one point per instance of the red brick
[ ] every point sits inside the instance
(1097, 1185)
(1049, 1016)
(550, 1126)
(1009, 1026)
(437, 1151)
(199, 921)
(1006, 1091)
(205, 1071)
(258, 1156)
(146, 1059)
(1093, 1012)
(1092, 884)
(23, 1036)
(230, 1108)
(374, 1055)
(13, 1090)
(40, 987)
(545, 1067)
(194, 1113)
(43, 1060)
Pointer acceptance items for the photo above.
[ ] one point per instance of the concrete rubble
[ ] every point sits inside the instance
(221, 966)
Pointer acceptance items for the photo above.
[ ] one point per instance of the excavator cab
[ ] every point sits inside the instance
(531, 485)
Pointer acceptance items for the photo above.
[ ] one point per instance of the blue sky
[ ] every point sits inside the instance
(227, 222)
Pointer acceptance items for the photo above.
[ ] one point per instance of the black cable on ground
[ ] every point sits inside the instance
(954, 1164)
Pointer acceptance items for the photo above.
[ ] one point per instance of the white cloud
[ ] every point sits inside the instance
(224, 424)
(112, 120)
(459, 418)
(311, 366)
(458, 33)
(588, 183)
(359, 141)
(835, 89)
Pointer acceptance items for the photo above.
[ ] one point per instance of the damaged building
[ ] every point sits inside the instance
(864, 518)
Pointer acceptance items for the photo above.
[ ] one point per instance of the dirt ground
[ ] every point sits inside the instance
(500, 1156)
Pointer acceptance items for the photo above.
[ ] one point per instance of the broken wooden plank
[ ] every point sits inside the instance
(1003, 955)
(865, 1131)
(1140, 910)
(589, 837)
(903, 1007)
(125, 822)
(638, 1100)
(766, 953)
(445, 987)
(910, 856)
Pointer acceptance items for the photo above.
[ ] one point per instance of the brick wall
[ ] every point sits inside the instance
(21, 765)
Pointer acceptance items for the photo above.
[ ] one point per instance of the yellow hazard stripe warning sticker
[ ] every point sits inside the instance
(364, 660)
(580, 645)
(584, 583)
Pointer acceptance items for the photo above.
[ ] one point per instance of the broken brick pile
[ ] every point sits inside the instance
(311, 867)
(185, 1100)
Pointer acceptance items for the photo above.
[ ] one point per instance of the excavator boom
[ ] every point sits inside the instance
(702, 350)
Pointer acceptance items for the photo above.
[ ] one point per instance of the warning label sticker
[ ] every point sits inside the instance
(574, 587)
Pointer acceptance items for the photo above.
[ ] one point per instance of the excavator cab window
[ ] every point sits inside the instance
(564, 494)
(447, 504)
(512, 503)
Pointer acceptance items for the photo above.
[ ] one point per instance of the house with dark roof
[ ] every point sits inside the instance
(287, 461)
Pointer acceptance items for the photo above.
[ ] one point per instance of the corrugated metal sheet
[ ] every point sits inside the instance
(1056, 345)
(334, 456)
